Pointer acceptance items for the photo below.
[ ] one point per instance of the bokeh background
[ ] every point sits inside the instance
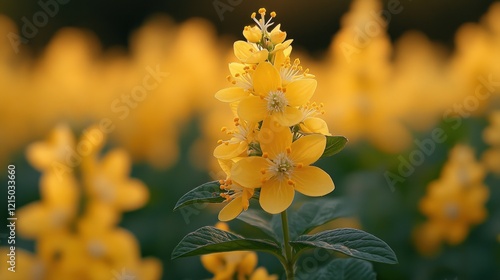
(387, 87)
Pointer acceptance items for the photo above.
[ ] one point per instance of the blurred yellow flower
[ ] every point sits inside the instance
(227, 265)
(283, 168)
(55, 212)
(491, 136)
(107, 180)
(453, 203)
(56, 149)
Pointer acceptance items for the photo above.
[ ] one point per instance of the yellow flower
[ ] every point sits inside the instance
(261, 274)
(237, 196)
(310, 123)
(238, 145)
(283, 168)
(42, 155)
(56, 210)
(249, 53)
(453, 203)
(272, 99)
(253, 34)
(491, 136)
(277, 36)
(108, 181)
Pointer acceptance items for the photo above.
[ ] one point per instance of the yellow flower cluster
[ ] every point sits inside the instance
(491, 136)
(277, 134)
(242, 264)
(75, 223)
(453, 203)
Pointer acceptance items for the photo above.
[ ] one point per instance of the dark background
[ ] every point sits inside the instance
(311, 23)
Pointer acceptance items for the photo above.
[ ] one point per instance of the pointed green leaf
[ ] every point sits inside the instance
(207, 240)
(352, 242)
(258, 219)
(312, 214)
(334, 144)
(206, 193)
(345, 269)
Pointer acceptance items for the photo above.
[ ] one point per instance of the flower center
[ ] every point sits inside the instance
(276, 101)
(283, 166)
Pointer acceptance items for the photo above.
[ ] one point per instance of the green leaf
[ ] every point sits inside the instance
(334, 144)
(207, 240)
(312, 214)
(260, 220)
(345, 269)
(352, 242)
(206, 193)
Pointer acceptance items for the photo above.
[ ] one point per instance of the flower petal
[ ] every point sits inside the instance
(230, 151)
(252, 109)
(231, 210)
(274, 138)
(247, 171)
(308, 149)
(300, 91)
(314, 125)
(276, 196)
(266, 78)
(231, 94)
(312, 181)
(290, 117)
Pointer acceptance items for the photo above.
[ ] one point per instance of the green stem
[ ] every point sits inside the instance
(290, 263)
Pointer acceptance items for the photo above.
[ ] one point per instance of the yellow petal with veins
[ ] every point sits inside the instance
(276, 196)
(312, 181)
(308, 149)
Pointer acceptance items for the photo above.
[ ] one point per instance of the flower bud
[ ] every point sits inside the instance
(277, 36)
(252, 34)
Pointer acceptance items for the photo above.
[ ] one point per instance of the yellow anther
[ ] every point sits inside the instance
(236, 119)
(220, 142)
(273, 14)
(263, 171)
(262, 11)
(221, 182)
(229, 182)
(288, 150)
(300, 165)
(265, 155)
(222, 129)
(290, 182)
(253, 15)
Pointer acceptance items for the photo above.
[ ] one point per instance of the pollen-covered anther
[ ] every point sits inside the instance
(253, 15)
(222, 129)
(220, 142)
(265, 155)
(300, 165)
(290, 182)
(229, 182)
(273, 14)
(263, 171)
(262, 11)
(288, 150)
(221, 182)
